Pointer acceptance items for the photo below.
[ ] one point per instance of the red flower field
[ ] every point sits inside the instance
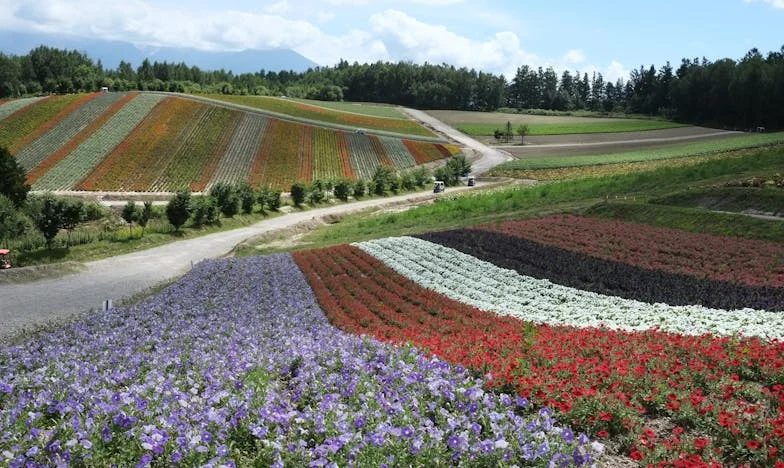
(661, 397)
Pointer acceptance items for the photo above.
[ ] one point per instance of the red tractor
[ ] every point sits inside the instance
(5, 259)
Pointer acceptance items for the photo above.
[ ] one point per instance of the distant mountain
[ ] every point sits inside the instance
(112, 52)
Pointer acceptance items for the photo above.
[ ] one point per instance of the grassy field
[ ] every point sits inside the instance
(735, 199)
(601, 170)
(674, 151)
(322, 114)
(569, 128)
(485, 123)
(691, 220)
(364, 108)
(571, 196)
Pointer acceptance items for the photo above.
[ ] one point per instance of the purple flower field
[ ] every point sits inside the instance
(236, 365)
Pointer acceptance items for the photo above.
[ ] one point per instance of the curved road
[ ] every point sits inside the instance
(490, 157)
(27, 304)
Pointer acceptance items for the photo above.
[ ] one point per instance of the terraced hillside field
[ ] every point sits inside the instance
(158, 142)
(369, 120)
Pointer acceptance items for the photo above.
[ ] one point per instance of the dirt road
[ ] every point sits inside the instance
(490, 157)
(24, 305)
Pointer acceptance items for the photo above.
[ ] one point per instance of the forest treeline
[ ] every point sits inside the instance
(743, 93)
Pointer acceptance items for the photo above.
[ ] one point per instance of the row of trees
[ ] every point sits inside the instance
(384, 181)
(223, 199)
(743, 93)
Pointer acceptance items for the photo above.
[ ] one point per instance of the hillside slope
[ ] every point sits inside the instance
(161, 142)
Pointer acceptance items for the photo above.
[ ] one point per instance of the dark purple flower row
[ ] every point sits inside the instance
(237, 365)
(602, 276)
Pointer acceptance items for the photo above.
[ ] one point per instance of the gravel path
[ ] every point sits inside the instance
(28, 304)
(489, 157)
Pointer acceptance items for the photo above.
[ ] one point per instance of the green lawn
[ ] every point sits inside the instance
(674, 151)
(364, 108)
(568, 128)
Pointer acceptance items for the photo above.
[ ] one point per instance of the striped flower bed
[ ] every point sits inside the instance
(194, 161)
(484, 285)
(68, 172)
(397, 152)
(697, 394)
(581, 271)
(51, 123)
(364, 157)
(85, 133)
(237, 365)
(740, 261)
(179, 144)
(8, 107)
(62, 131)
(17, 128)
(238, 158)
(326, 158)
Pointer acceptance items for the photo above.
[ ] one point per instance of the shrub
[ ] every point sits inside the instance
(407, 181)
(421, 176)
(130, 214)
(360, 188)
(49, 219)
(342, 190)
(13, 223)
(226, 198)
(179, 209)
(247, 197)
(298, 193)
(316, 194)
(381, 179)
(394, 183)
(205, 211)
(72, 213)
(271, 198)
(145, 215)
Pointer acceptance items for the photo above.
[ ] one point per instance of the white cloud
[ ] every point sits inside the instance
(574, 57)
(775, 3)
(387, 35)
(278, 8)
(408, 38)
(325, 17)
(616, 70)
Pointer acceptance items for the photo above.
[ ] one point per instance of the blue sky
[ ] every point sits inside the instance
(496, 36)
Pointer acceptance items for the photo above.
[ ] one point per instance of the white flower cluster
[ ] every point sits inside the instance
(488, 287)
